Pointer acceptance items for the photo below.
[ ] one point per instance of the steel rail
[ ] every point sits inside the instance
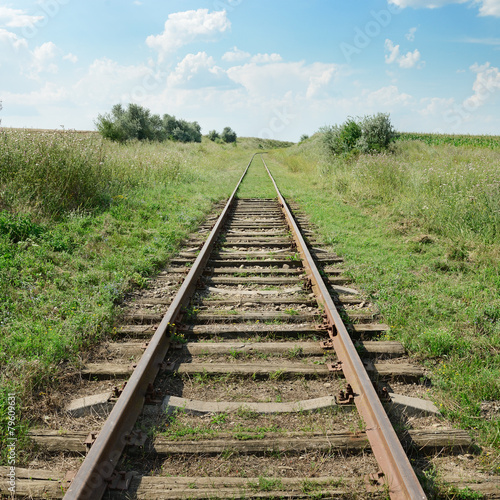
(386, 447)
(97, 469)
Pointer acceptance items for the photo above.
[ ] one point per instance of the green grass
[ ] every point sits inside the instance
(420, 231)
(266, 484)
(83, 221)
(257, 183)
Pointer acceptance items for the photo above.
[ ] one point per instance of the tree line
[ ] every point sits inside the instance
(136, 122)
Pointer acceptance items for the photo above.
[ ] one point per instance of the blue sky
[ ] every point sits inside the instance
(274, 68)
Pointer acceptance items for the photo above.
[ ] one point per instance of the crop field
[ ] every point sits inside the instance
(84, 221)
(471, 141)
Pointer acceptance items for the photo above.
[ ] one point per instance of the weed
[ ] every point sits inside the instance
(219, 419)
(247, 413)
(266, 484)
(277, 375)
(295, 352)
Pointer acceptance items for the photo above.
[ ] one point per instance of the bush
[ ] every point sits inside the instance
(18, 227)
(376, 133)
(228, 135)
(213, 135)
(303, 137)
(369, 134)
(137, 122)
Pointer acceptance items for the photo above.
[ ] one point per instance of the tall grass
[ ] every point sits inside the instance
(82, 221)
(420, 230)
(52, 172)
(445, 189)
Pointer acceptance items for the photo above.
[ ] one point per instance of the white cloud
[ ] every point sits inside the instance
(107, 82)
(435, 106)
(486, 7)
(71, 58)
(48, 94)
(235, 55)
(410, 36)
(43, 59)
(393, 52)
(182, 28)
(197, 71)
(387, 98)
(8, 39)
(280, 78)
(16, 18)
(489, 8)
(266, 58)
(407, 61)
(319, 82)
(486, 84)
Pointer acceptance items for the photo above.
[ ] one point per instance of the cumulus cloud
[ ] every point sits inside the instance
(43, 59)
(277, 79)
(388, 97)
(486, 7)
(16, 18)
(182, 28)
(266, 58)
(107, 82)
(486, 84)
(410, 36)
(435, 106)
(71, 58)
(407, 61)
(11, 40)
(489, 8)
(235, 55)
(197, 71)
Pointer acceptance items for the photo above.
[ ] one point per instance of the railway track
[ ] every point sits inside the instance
(253, 369)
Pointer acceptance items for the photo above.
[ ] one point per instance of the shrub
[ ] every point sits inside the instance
(303, 137)
(18, 227)
(369, 134)
(376, 133)
(228, 135)
(213, 135)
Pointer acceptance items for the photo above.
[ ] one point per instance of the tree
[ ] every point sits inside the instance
(137, 122)
(228, 135)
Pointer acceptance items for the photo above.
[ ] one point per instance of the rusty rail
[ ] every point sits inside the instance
(397, 470)
(98, 467)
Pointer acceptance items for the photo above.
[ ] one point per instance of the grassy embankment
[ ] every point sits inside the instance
(420, 231)
(81, 222)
